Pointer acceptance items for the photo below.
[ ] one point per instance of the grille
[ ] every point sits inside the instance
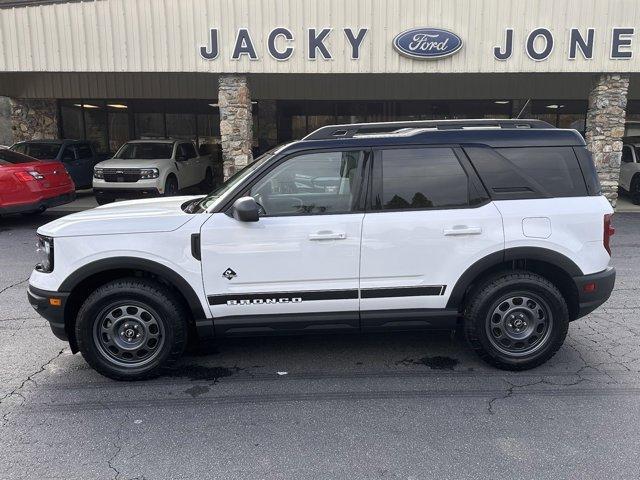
(120, 175)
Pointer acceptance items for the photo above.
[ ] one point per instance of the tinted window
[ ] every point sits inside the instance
(422, 178)
(145, 151)
(314, 183)
(189, 150)
(627, 154)
(68, 154)
(41, 151)
(554, 170)
(84, 151)
(10, 157)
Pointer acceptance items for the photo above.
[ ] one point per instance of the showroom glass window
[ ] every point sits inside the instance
(420, 178)
(311, 184)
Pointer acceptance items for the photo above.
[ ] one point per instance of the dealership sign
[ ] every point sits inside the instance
(424, 43)
(427, 43)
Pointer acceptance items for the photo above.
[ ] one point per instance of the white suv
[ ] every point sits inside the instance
(149, 168)
(496, 227)
(630, 169)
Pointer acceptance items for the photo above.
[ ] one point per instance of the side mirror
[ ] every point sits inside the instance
(245, 209)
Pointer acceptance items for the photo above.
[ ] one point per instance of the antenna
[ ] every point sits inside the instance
(524, 106)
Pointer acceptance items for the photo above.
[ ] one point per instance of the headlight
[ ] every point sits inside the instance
(44, 249)
(149, 173)
(98, 173)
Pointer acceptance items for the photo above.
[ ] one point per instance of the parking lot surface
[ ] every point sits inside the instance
(377, 406)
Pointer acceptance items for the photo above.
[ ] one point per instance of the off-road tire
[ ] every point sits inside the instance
(479, 310)
(171, 186)
(151, 296)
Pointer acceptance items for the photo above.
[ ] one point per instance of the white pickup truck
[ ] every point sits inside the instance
(150, 168)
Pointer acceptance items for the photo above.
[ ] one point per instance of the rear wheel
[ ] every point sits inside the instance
(131, 329)
(516, 321)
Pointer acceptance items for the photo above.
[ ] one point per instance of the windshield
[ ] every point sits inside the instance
(41, 151)
(145, 151)
(9, 157)
(211, 199)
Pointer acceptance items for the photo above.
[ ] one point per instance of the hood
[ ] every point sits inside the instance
(132, 163)
(134, 216)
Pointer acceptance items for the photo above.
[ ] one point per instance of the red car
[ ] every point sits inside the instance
(28, 185)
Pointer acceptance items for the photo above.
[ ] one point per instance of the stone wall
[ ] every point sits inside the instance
(605, 129)
(236, 129)
(6, 133)
(33, 119)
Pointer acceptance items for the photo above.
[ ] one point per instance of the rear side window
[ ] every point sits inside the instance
(421, 178)
(555, 170)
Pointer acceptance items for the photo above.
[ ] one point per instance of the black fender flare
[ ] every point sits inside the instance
(117, 263)
(508, 255)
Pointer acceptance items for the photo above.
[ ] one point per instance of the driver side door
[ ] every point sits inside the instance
(297, 268)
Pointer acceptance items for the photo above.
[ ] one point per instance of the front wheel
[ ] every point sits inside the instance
(516, 321)
(171, 187)
(131, 329)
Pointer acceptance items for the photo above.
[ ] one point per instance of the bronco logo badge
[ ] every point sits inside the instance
(229, 274)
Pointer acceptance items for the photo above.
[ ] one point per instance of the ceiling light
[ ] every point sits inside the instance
(116, 105)
(554, 106)
(501, 102)
(85, 105)
(213, 105)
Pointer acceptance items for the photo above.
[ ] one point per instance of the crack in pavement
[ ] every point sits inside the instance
(14, 285)
(30, 378)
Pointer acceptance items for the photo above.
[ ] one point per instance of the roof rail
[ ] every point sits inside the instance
(353, 129)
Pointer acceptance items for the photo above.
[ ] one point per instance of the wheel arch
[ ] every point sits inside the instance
(89, 277)
(554, 266)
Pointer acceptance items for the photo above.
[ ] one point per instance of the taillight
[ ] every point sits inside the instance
(29, 176)
(608, 232)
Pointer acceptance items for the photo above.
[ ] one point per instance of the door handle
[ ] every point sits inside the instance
(327, 236)
(462, 230)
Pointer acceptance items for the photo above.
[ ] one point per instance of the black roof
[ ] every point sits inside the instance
(493, 133)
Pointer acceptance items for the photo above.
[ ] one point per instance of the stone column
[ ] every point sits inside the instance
(236, 128)
(34, 119)
(267, 124)
(605, 129)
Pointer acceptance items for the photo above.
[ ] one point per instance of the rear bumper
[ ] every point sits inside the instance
(588, 301)
(39, 204)
(126, 192)
(40, 301)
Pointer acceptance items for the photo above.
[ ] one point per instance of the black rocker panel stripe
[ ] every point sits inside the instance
(312, 295)
(424, 291)
(303, 296)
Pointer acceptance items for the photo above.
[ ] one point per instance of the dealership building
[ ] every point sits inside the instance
(249, 74)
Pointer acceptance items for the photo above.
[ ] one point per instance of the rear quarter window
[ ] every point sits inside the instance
(554, 169)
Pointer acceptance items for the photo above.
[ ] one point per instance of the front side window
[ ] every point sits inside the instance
(420, 178)
(627, 154)
(188, 150)
(311, 184)
(84, 151)
(145, 151)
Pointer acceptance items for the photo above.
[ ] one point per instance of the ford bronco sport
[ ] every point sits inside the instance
(497, 227)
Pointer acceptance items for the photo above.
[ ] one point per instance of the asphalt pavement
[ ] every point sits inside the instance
(393, 406)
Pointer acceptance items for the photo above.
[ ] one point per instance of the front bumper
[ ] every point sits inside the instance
(594, 290)
(132, 193)
(40, 204)
(41, 301)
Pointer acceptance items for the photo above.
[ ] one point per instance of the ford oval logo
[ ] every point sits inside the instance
(427, 43)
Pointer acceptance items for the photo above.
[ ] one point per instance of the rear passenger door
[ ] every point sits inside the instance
(428, 221)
